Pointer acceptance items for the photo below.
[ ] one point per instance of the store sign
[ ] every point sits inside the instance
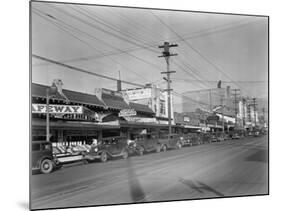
(186, 119)
(141, 119)
(57, 109)
(110, 92)
(127, 112)
(138, 94)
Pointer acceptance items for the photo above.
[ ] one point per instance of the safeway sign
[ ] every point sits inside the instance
(57, 109)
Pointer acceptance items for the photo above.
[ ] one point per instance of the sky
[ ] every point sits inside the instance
(109, 40)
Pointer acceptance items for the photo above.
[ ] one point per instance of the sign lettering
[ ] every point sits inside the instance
(57, 109)
(127, 112)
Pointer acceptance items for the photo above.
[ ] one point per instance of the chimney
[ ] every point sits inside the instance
(98, 93)
(219, 84)
(228, 91)
(119, 87)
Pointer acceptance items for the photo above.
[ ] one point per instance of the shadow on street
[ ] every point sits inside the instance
(200, 187)
(137, 194)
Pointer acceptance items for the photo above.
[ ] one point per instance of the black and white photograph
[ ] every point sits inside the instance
(133, 105)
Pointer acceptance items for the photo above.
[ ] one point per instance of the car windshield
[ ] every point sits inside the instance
(46, 146)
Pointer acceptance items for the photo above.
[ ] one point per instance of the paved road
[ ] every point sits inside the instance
(231, 168)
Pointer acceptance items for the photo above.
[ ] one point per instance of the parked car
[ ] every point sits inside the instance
(108, 148)
(205, 137)
(146, 143)
(42, 157)
(190, 139)
(214, 137)
(221, 136)
(235, 136)
(257, 133)
(172, 141)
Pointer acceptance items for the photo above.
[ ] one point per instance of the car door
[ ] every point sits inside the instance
(149, 142)
(36, 154)
(116, 147)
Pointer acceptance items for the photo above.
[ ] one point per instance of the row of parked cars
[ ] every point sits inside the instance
(47, 157)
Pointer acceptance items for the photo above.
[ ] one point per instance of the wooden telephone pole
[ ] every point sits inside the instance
(235, 94)
(166, 54)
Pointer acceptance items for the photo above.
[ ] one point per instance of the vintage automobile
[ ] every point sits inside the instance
(42, 157)
(221, 136)
(108, 148)
(172, 141)
(146, 143)
(205, 137)
(257, 133)
(214, 137)
(191, 139)
(235, 136)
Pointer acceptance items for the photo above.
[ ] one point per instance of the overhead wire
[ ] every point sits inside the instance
(84, 71)
(194, 49)
(181, 67)
(89, 45)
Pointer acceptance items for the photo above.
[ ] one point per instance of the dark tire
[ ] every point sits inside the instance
(179, 145)
(140, 151)
(46, 166)
(125, 154)
(103, 156)
(164, 148)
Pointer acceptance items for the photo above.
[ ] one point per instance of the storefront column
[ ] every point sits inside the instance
(60, 135)
(99, 135)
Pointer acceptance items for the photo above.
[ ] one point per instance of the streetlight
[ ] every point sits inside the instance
(50, 91)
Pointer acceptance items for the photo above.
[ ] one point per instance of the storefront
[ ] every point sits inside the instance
(86, 117)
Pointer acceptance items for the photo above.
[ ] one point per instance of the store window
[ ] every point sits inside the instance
(162, 107)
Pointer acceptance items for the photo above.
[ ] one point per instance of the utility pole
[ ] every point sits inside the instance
(210, 98)
(243, 112)
(166, 54)
(235, 104)
(222, 113)
(263, 114)
(254, 105)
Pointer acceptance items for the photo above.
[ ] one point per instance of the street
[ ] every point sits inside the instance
(230, 168)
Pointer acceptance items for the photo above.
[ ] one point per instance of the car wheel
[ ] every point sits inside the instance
(140, 151)
(164, 148)
(103, 156)
(179, 146)
(46, 166)
(125, 154)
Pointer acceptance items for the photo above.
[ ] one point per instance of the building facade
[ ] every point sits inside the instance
(153, 97)
(207, 99)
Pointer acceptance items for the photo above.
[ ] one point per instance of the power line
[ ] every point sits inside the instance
(84, 71)
(194, 49)
(102, 41)
(106, 32)
(215, 81)
(110, 33)
(86, 43)
(111, 45)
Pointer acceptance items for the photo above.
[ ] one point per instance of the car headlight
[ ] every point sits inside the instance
(96, 149)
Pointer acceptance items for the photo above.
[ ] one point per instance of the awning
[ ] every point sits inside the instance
(74, 125)
(192, 127)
